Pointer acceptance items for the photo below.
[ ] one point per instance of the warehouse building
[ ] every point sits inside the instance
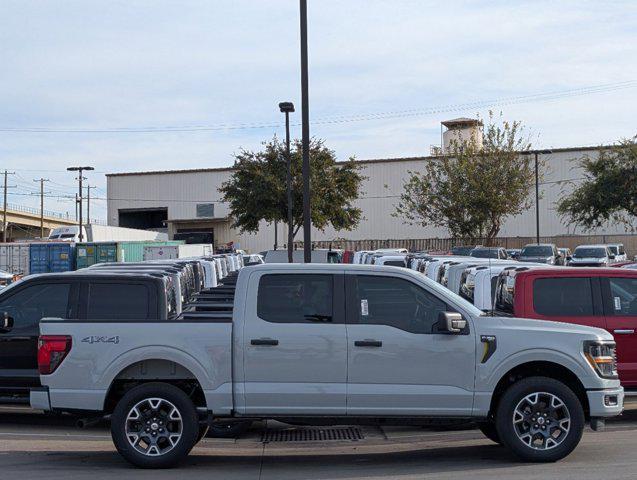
(187, 203)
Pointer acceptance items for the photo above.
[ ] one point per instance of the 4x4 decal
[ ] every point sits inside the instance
(101, 339)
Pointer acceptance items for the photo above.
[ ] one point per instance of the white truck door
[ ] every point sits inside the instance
(294, 345)
(397, 364)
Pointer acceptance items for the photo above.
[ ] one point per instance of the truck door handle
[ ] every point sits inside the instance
(368, 343)
(264, 341)
(627, 331)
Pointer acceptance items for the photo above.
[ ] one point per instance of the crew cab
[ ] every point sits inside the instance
(330, 344)
(598, 297)
(77, 297)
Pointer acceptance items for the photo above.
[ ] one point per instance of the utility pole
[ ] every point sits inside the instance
(88, 204)
(537, 191)
(79, 171)
(42, 180)
(4, 206)
(305, 128)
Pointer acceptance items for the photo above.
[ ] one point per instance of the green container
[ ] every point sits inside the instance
(90, 253)
(134, 251)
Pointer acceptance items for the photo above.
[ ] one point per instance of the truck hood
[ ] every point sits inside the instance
(587, 260)
(543, 327)
(540, 259)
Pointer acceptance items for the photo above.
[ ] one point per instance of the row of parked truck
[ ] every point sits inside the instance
(598, 297)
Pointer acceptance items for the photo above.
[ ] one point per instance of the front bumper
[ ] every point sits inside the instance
(39, 399)
(605, 403)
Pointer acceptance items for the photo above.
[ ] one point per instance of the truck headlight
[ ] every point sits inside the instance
(602, 357)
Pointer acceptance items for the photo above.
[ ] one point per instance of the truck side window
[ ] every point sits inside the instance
(397, 303)
(31, 304)
(565, 297)
(115, 301)
(293, 298)
(623, 296)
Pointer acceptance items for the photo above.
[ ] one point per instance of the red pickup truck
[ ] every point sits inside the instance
(598, 297)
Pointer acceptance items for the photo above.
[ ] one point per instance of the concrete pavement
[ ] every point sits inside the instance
(33, 446)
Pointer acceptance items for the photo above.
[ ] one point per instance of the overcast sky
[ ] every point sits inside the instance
(133, 65)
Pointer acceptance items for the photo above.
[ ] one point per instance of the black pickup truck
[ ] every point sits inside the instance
(77, 295)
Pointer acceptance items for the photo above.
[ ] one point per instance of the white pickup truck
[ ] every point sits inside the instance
(330, 344)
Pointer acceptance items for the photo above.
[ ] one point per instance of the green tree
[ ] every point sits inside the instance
(257, 188)
(472, 190)
(608, 191)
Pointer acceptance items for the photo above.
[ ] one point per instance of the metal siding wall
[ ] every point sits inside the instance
(379, 194)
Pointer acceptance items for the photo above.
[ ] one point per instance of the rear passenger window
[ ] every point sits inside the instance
(624, 296)
(110, 301)
(563, 297)
(397, 303)
(295, 298)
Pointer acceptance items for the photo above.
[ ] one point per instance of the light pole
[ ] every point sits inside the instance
(287, 108)
(79, 170)
(305, 127)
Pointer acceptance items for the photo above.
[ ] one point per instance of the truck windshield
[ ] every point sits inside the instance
(589, 252)
(536, 251)
(485, 253)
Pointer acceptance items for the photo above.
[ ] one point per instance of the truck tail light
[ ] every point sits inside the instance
(52, 349)
(602, 357)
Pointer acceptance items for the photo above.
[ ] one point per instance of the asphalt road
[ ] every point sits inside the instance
(33, 447)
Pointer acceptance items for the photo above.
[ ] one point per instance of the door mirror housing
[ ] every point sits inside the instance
(451, 322)
(611, 257)
(7, 323)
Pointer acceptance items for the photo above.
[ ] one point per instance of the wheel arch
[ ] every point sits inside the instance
(154, 369)
(540, 368)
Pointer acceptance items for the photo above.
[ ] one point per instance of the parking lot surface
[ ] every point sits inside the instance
(33, 446)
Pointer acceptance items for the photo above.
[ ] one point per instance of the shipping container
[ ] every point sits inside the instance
(51, 257)
(101, 252)
(14, 258)
(155, 252)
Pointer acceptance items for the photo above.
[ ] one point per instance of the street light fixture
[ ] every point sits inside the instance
(79, 198)
(287, 108)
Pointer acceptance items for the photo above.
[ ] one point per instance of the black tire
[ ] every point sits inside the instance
(507, 430)
(228, 429)
(189, 425)
(489, 431)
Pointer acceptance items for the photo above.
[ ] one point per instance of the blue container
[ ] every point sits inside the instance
(52, 257)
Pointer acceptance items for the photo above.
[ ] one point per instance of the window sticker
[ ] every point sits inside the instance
(364, 307)
(618, 303)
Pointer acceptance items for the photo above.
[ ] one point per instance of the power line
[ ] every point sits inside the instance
(503, 101)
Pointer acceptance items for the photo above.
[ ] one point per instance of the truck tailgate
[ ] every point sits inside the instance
(102, 350)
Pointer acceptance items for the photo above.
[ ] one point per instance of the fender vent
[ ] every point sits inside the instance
(352, 434)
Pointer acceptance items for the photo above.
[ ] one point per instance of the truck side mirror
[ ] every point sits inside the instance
(451, 322)
(611, 257)
(7, 323)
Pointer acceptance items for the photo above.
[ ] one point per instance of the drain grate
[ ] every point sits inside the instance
(312, 435)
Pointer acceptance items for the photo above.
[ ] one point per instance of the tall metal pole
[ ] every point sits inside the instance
(288, 175)
(537, 201)
(41, 180)
(80, 177)
(4, 210)
(305, 120)
(4, 206)
(79, 199)
(276, 235)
